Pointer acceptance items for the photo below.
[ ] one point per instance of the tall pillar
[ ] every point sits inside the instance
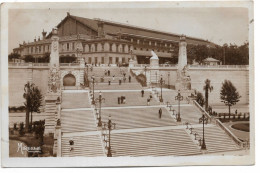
(182, 59)
(183, 79)
(54, 89)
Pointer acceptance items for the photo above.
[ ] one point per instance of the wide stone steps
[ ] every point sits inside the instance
(75, 100)
(100, 71)
(173, 142)
(88, 146)
(138, 118)
(217, 140)
(116, 86)
(77, 121)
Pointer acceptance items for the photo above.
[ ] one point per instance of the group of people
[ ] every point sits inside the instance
(121, 100)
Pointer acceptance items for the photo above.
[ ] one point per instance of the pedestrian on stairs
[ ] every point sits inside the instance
(118, 100)
(160, 113)
(129, 78)
(109, 82)
(120, 81)
(108, 72)
(148, 101)
(142, 93)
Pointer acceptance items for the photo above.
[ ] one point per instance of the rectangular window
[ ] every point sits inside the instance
(73, 46)
(117, 60)
(68, 46)
(89, 60)
(102, 60)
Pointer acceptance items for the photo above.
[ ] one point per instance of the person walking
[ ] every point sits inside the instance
(142, 93)
(113, 77)
(129, 78)
(120, 81)
(109, 82)
(148, 102)
(160, 113)
(118, 100)
(108, 72)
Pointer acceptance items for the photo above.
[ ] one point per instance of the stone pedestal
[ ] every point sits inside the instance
(131, 63)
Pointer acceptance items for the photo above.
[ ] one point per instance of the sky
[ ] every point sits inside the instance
(218, 25)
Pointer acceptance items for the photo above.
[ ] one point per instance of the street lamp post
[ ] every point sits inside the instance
(93, 87)
(179, 98)
(203, 120)
(161, 83)
(145, 73)
(168, 80)
(109, 126)
(99, 99)
(156, 78)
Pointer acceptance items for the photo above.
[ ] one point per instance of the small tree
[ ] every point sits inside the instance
(33, 99)
(207, 88)
(13, 56)
(229, 94)
(200, 99)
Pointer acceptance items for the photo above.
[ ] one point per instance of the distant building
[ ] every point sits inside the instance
(105, 42)
(211, 61)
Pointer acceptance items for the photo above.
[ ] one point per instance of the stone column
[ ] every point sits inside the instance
(183, 82)
(54, 82)
(182, 59)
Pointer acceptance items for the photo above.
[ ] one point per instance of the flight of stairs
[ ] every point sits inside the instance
(153, 143)
(217, 140)
(50, 119)
(75, 100)
(138, 118)
(77, 121)
(87, 146)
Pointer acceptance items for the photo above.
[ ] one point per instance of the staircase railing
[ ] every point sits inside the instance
(202, 110)
(231, 135)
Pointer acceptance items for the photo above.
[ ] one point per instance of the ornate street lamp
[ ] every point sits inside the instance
(156, 78)
(203, 120)
(93, 87)
(145, 73)
(87, 77)
(161, 83)
(99, 100)
(179, 98)
(109, 126)
(168, 80)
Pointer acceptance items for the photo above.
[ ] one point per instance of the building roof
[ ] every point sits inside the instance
(210, 59)
(113, 28)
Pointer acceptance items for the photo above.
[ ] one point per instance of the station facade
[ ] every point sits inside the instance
(105, 42)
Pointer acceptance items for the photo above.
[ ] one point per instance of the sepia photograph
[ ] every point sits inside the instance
(128, 83)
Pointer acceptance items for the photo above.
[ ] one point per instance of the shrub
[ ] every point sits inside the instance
(21, 130)
(15, 126)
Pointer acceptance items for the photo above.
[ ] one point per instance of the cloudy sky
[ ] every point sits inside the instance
(219, 25)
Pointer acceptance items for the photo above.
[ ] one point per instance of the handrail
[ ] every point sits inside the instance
(230, 134)
(201, 109)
